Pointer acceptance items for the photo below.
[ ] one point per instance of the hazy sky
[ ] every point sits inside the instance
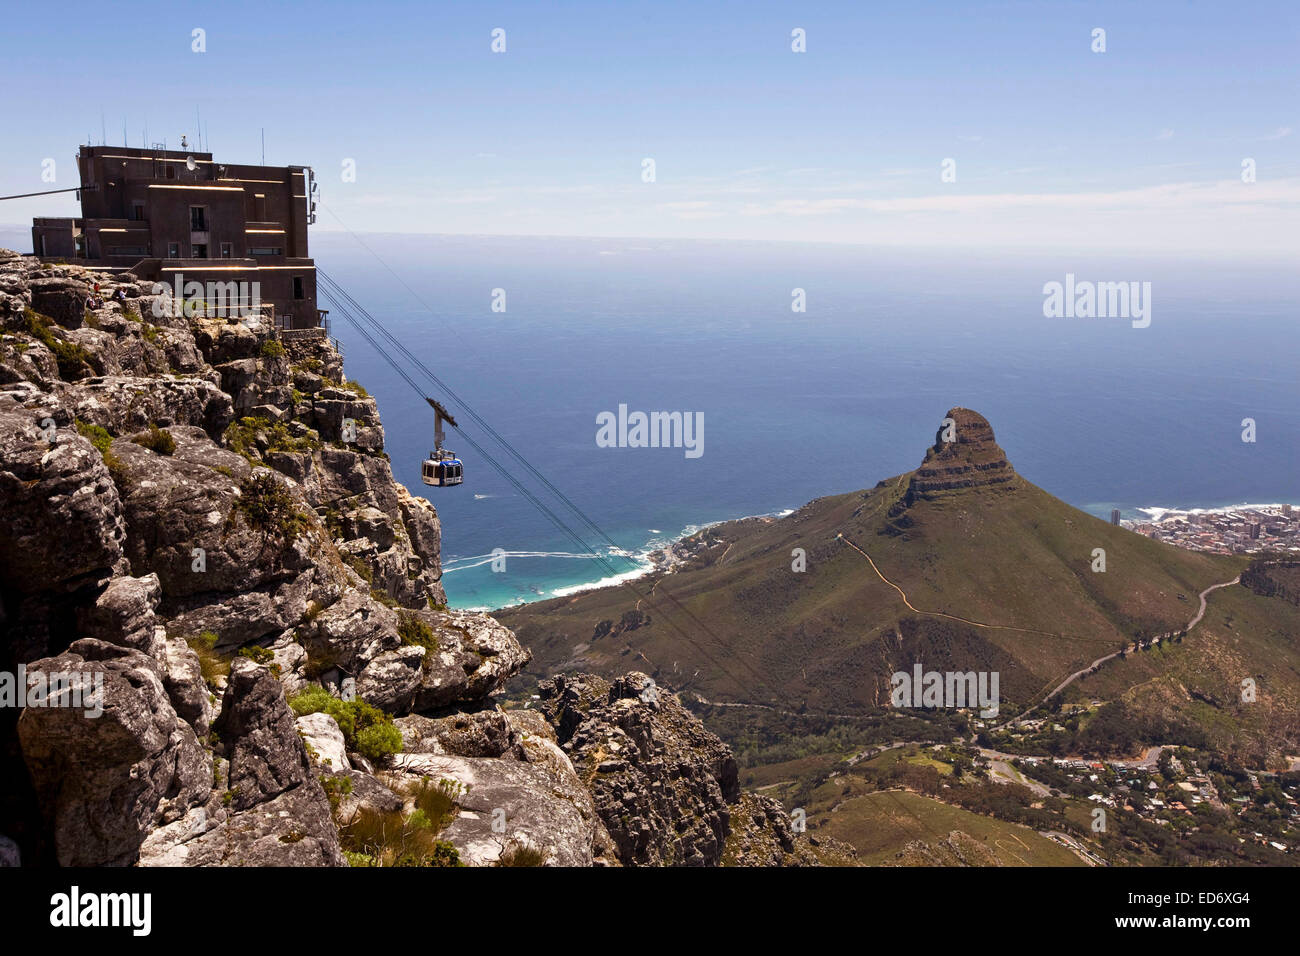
(1137, 148)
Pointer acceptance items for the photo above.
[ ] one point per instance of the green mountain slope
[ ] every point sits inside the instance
(959, 565)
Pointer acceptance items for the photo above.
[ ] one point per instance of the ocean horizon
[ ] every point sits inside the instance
(801, 405)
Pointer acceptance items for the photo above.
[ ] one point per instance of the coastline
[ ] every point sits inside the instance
(658, 555)
(661, 556)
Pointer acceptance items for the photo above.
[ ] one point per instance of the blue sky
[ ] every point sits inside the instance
(1139, 147)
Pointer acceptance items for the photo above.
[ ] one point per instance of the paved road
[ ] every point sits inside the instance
(1147, 761)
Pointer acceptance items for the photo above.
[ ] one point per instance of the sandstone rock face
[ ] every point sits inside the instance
(659, 780)
(140, 548)
(516, 791)
(127, 404)
(972, 459)
(267, 757)
(273, 810)
(292, 829)
(123, 613)
(63, 523)
(62, 298)
(105, 782)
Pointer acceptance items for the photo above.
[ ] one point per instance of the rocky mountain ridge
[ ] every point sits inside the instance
(199, 513)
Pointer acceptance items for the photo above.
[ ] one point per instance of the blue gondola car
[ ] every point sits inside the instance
(442, 469)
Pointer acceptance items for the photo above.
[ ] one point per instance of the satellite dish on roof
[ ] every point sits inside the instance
(190, 164)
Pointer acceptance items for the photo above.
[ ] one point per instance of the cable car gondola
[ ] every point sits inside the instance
(442, 468)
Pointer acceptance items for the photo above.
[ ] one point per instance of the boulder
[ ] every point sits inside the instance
(63, 522)
(124, 613)
(124, 404)
(508, 804)
(324, 740)
(183, 679)
(487, 733)
(259, 737)
(104, 782)
(293, 829)
(62, 298)
(659, 780)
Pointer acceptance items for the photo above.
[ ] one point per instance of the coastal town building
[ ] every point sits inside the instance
(1245, 529)
(177, 216)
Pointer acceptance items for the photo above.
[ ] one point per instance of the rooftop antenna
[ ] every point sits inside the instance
(263, 145)
(198, 125)
(103, 130)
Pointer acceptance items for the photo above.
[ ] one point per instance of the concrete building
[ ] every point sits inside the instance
(1114, 516)
(176, 216)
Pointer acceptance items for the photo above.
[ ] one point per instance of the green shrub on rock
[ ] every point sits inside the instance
(157, 440)
(268, 507)
(367, 730)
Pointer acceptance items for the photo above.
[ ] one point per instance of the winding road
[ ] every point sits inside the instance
(1200, 613)
(1101, 660)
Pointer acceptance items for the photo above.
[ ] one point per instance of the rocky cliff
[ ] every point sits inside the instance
(199, 521)
(964, 455)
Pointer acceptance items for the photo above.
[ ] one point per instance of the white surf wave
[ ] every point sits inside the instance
(1157, 513)
(478, 560)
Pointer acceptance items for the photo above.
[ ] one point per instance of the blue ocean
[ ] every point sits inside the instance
(798, 405)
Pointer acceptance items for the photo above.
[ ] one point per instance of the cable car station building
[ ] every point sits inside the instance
(160, 214)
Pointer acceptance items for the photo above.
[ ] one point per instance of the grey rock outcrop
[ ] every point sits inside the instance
(659, 780)
(105, 782)
(63, 524)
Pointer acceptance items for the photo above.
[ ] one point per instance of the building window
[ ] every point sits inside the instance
(173, 250)
(127, 251)
(199, 250)
(198, 219)
(137, 211)
(297, 287)
(265, 250)
(226, 250)
(169, 171)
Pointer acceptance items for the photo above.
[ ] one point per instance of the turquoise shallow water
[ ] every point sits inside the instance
(800, 405)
